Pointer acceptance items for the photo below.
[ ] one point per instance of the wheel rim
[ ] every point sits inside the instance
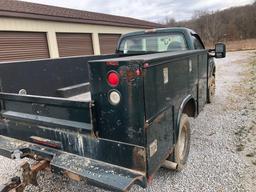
(182, 143)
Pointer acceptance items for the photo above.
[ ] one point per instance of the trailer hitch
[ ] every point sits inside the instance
(28, 176)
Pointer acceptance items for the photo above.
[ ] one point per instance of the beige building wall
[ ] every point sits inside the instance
(52, 27)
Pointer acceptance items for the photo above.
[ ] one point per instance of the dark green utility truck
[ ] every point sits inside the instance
(113, 120)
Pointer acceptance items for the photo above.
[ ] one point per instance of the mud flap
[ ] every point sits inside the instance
(76, 167)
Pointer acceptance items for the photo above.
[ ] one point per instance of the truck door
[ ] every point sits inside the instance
(201, 72)
(202, 80)
(193, 75)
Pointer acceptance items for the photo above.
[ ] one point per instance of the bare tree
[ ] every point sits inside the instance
(229, 24)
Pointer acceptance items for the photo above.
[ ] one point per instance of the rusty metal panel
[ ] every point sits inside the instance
(108, 43)
(74, 44)
(99, 173)
(23, 46)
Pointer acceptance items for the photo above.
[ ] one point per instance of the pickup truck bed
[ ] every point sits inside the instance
(46, 77)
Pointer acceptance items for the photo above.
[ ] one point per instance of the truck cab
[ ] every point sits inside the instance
(135, 120)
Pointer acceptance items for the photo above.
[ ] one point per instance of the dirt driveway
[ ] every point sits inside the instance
(223, 150)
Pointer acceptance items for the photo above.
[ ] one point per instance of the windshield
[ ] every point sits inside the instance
(156, 42)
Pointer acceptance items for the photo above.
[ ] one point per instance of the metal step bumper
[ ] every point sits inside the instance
(76, 167)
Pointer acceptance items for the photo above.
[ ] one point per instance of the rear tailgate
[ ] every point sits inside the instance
(44, 120)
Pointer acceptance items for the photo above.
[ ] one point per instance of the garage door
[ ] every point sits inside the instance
(23, 46)
(108, 43)
(73, 44)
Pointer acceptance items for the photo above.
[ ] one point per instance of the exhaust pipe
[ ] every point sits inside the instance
(170, 165)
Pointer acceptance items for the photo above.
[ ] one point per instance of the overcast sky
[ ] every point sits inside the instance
(151, 10)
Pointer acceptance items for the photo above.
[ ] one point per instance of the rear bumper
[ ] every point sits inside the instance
(96, 172)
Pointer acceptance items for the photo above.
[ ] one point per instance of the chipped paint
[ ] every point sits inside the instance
(80, 144)
(139, 159)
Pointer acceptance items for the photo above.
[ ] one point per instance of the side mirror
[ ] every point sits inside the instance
(220, 50)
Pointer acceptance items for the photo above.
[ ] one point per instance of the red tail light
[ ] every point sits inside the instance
(113, 79)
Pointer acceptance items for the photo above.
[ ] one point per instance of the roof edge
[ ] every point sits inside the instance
(21, 15)
(27, 10)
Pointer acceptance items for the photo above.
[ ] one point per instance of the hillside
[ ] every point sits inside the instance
(233, 24)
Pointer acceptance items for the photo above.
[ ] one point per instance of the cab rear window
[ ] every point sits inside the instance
(156, 42)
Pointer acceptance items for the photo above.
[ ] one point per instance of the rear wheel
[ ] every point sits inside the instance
(211, 89)
(182, 146)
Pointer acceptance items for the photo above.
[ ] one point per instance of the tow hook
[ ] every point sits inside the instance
(28, 176)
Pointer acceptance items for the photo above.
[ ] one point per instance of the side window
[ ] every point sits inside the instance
(197, 43)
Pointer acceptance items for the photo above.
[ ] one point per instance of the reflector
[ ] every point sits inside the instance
(114, 97)
(113, 79)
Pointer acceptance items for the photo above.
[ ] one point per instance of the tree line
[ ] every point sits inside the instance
(236, 23)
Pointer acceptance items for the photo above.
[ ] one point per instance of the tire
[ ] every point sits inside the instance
(182, 146)
(211, 89)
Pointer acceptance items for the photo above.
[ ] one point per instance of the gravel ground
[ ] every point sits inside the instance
(223, 145)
